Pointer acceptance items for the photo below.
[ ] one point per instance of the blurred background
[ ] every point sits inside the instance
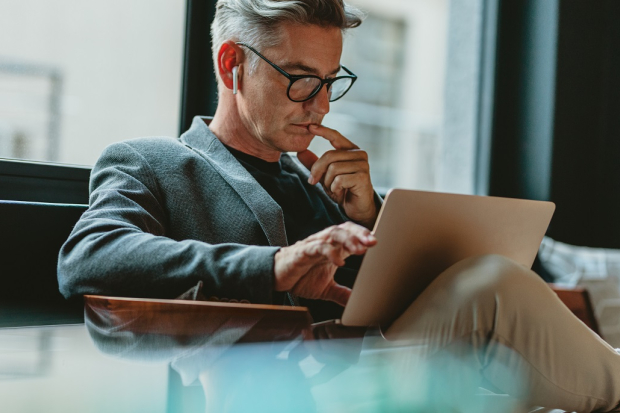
(76, 76)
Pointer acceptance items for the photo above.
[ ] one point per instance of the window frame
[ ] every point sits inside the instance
(199, 87)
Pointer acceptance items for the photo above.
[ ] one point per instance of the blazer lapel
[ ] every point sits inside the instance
(268, 213)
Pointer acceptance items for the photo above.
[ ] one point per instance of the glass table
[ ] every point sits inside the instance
(171, 356)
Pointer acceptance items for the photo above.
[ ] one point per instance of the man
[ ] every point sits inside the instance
(226, 206)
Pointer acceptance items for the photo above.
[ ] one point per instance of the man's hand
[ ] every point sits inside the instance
(307, 267)
(345, 175)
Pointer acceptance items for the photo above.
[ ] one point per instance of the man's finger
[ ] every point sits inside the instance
(321, 250)
(365, 236)
(343, 168)
(338, 244)
(343, 232)
(355, 238)
(338, 294)
(307, 158)
(344, 182)
(335, 253)
(352, 244)
(337, 197)
(323, 163)
(333, 136)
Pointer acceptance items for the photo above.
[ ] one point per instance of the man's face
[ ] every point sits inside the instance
(266, 112)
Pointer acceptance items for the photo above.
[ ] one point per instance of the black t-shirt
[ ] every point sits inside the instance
(304, 215)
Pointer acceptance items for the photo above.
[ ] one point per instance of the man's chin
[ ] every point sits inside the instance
(297, 142)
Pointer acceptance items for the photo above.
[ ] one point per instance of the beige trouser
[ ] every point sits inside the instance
(516, 327)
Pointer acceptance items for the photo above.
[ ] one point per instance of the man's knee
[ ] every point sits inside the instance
(491, 275)
(470, 296)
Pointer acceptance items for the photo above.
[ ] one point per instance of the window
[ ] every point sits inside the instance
(396, 111)
(76, 76)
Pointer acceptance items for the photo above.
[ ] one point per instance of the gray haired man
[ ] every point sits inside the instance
(225, 205)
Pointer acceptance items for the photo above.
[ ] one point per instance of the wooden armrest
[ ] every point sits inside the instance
(578, 301)
(194, 318)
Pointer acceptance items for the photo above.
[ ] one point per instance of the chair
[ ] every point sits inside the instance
(578, 301)
(32, 234)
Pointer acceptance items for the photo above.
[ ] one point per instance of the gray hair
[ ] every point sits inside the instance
(257, 22)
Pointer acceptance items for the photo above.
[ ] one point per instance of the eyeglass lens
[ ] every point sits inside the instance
(340, 87)
(301, 89)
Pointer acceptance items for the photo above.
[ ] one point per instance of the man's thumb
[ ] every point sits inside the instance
(338, 294)
(307, 158)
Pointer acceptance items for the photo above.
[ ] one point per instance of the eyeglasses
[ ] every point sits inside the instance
(305, 87)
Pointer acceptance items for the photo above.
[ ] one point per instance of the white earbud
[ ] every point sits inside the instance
(235, 72)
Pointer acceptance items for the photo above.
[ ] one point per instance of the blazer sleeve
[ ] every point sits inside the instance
(119, 247)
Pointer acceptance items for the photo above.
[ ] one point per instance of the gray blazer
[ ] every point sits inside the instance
(167, 213)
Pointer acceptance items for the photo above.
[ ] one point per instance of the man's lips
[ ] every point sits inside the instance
(304, 125)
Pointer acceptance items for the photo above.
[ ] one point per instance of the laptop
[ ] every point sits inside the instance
(421, 234)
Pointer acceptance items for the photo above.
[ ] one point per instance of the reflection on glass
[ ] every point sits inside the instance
(302, 373)
(26, 355)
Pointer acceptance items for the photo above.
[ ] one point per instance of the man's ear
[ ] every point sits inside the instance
(229, 56)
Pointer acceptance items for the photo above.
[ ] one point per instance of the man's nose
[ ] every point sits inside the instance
(319, 102)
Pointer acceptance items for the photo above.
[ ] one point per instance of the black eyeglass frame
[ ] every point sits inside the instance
(293, 78)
